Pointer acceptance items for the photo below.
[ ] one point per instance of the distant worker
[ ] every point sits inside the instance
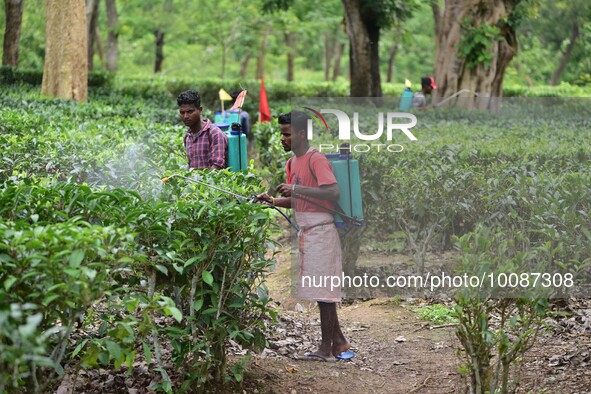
(206, 144)
(419, 100)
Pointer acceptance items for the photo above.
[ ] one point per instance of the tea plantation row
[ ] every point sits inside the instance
(94, 249)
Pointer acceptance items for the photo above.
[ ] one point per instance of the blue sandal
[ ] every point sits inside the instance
(347, 355)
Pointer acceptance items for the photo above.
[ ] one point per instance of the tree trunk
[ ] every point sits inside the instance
(12, 31)
(159, 40)
(452, 74)
(328, 50)
(99, 47)
(244, 64)
(92, 11)
(290, 56)
(336, 69)
(363, 55)
(261, 59)
(391, 58)
(374, 53)
(65, 72)
(112, 36)
(566, 55)
(437, 15)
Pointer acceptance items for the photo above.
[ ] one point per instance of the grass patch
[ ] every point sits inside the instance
(437, 313)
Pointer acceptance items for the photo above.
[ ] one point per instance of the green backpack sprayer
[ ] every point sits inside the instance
(346, 170)
(406, 99)
(236, 156)
(348, 210)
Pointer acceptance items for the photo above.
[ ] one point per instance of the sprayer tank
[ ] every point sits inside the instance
(346, 171)
(237, 148)
(237, 153)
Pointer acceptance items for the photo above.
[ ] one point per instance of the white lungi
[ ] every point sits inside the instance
(319, 257)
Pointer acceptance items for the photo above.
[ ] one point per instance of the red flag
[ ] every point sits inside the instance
(239, 100)
(264, 112)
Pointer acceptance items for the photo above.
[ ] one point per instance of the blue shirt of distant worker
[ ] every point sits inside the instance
(419, 100)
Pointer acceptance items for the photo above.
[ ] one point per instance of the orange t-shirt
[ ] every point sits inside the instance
(298, 173)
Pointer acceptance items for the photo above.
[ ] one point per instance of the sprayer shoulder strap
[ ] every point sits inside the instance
(309, 166)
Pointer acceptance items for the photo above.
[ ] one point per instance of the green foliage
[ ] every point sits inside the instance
(476, 43)
(21, 343)
(492, 350)
(437, 313)
(51, 274)
(178, 238)
(522, 11)
(271, 6)
(385, 13)
(270, 154)
(513, 187)
(11, 75)
(544, 37)
(522, 168)
(176, 263)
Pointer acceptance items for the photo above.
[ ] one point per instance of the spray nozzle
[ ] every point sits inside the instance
(254, 199)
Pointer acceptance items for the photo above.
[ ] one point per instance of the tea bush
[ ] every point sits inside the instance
(492, 350)
(51, 275)
(71, 175)
(190, 238)
(526, 172)
(12, 75)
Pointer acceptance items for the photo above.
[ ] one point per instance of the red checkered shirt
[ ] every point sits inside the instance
(208, 148)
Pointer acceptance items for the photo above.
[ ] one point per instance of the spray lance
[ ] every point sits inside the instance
(354, 222)
(252, 199)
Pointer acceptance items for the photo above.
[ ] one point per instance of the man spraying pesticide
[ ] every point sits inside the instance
(310, 176)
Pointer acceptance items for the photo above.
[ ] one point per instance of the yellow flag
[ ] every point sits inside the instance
(224, 96)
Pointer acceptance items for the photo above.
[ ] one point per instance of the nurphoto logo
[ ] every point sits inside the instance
(392, 121)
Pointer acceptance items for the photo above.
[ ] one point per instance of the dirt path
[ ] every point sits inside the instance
(396, 352)
(420, 360)
(399, 353)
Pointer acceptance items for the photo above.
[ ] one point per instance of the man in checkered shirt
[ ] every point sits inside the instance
(205, 143)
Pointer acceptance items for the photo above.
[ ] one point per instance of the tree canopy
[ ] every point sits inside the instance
(229, 39)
